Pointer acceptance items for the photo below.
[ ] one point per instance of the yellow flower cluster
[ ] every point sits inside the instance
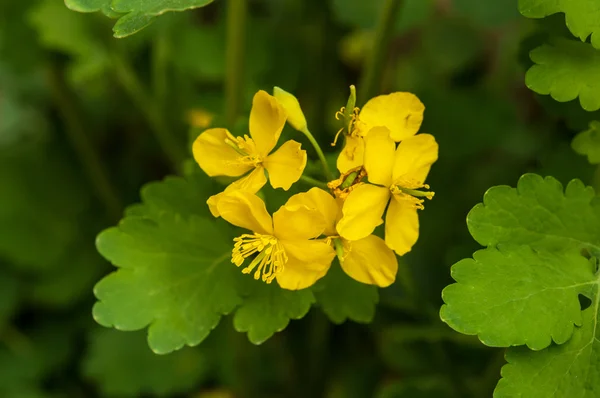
(296, 246)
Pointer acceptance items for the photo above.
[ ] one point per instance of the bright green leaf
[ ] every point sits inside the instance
(341, 297)
(588, 143)
(267, 309)
(582, 16)
(566, 69)
(567, 370)
(539, 214)
(175, 272)
(123, 365)
(134, 15)
(500, 294)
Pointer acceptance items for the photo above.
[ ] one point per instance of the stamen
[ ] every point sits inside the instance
(410, 190)
(270, 260)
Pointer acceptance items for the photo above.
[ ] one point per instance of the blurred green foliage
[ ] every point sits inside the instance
(64, 75)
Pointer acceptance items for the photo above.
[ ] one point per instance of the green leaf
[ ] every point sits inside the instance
(500, 294)
(65, 31)
(588, 143)
(268, 309)
(133, 15)
(175, 273)
(537, 213)
(567, 370)
(582, 16)
(41, 204)
(566, 69)
(123, 365)
(341, 297)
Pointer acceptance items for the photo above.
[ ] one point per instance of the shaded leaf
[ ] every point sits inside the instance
(588, 143)
(341, 297)
(267, 309)
(123, 365)
(582, 16)
(566, 69)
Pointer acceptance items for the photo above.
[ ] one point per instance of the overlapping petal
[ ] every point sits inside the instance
(245, 210)
(352, 155)
(401, 225)
(267, 119)
(362, 211)
(324, 203)
(286, 165)
(215, 157)
(414, 157)
(379, 156)
(400, 112)
(370, 261)
(308, 261)
(297, 223)
(252, 183)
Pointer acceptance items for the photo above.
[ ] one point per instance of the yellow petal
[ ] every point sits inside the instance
(414, 158)
(267, 119)
(370, 261)
(401, 113)
(308, 261)
(362, 211)
(286, 165)
(215, 157)
(295, 116)
(323, 202)
(252, 183)
(352, 155)
(401, 225)
(245, 210)
(379, 156)
(297, 222)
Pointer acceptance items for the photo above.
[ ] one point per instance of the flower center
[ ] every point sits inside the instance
(271, 256)
(411, 190)
(246, 147)
(349, 180)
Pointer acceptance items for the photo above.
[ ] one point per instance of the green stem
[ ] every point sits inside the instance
(371, 79)
(237, 13)
(77, 133)
(320, 154)
(314, 182)
(153, 113)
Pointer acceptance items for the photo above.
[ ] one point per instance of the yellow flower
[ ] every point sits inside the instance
(399, 174)
(401, 113)
(219, 153)
(367, 260)
(282, 244)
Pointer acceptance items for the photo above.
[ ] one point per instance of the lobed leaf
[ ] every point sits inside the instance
(133, 15)
(568, 370)
(175, 274)
(582, 16)
(341, 297)
(537, 213)
(566, 69)
(268, 309)
(517, 296)
(588, 143)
